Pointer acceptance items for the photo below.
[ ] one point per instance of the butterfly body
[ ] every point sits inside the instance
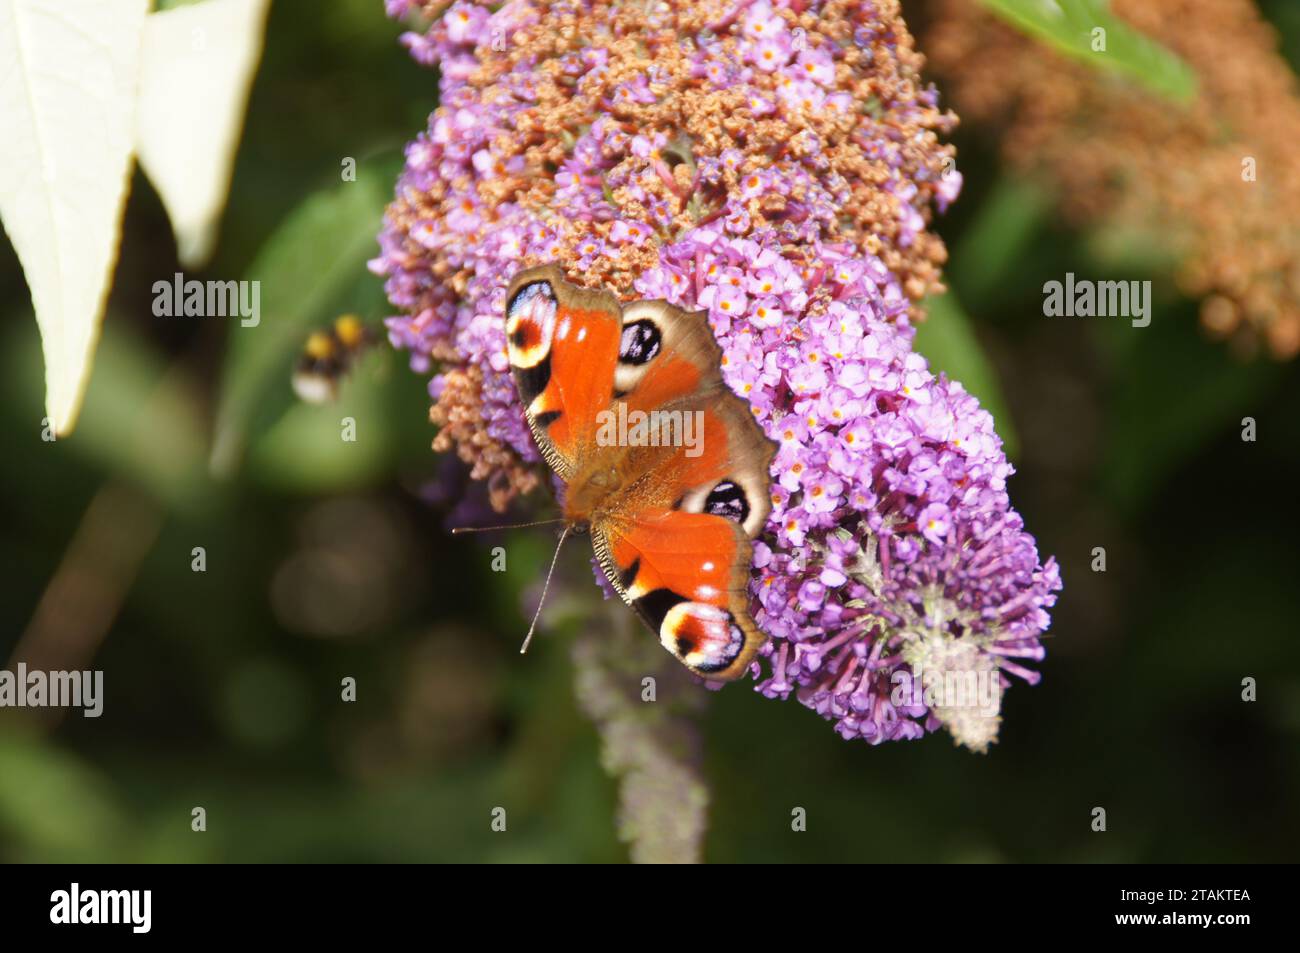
(662, 463)
(619, 483)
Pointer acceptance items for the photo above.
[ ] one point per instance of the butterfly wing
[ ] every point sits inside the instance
(679, 552)
(562, 342)
(686, 575)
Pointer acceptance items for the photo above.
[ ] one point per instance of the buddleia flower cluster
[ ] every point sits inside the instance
(775, 164)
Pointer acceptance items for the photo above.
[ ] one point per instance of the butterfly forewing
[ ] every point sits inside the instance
(562, 343)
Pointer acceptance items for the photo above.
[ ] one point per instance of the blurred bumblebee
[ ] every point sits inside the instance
(328, 356)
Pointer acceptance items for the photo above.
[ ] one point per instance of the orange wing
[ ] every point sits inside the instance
(686, 576)
(684, 568)
(563, 388)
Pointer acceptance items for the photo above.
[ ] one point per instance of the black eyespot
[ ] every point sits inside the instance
(727, 500)
(728, 656)
(640, 342)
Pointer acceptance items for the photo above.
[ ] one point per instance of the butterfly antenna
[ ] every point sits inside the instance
(545, 587)
(490, 529)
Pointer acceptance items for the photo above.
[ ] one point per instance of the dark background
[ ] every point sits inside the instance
(328, 560)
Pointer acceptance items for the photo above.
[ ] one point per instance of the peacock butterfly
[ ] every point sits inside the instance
(661, 462)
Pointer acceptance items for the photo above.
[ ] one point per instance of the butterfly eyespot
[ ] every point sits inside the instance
(703, 636)
(640, 343)
(526, 335)
(527, 295)
(727, 500)
(530, 324)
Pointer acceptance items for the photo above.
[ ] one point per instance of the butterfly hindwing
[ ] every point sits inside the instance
(686, 575)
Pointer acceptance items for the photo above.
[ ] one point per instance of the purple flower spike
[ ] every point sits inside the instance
(774, 164)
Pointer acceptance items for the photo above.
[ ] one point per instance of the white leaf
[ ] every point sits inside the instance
(68, 82)
(198, 67)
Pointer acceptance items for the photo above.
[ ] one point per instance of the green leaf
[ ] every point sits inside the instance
(141, 420)
(304, 451)
(1006, 224)
(52, 804)
(1173, 393)
(947, 340)
(307, 267)
(1133, 248)
(1068, 25)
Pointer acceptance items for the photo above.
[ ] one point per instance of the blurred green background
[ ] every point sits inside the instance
(328, 560)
